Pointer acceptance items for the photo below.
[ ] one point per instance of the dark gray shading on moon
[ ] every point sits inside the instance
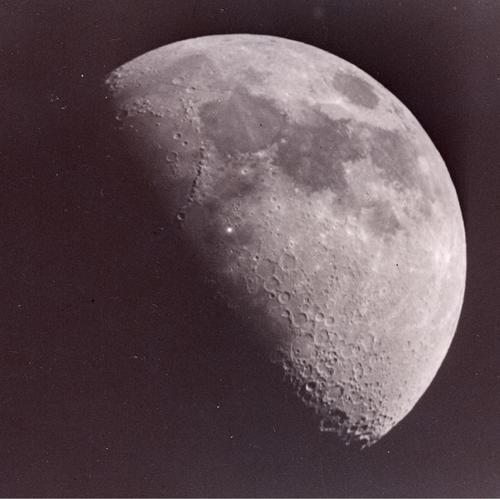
(241, 124)
(320, 206)
(313, 154)
(356, 89)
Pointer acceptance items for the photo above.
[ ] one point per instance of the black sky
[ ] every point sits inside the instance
(119, 374)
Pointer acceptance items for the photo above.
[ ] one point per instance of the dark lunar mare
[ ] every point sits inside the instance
(313, 153)
(357, 90)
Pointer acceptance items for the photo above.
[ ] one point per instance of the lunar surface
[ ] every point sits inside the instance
(318, 204)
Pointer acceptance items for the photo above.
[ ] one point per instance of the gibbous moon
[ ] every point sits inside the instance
(319, 205)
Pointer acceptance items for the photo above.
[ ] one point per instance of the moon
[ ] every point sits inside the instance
(317, 203)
